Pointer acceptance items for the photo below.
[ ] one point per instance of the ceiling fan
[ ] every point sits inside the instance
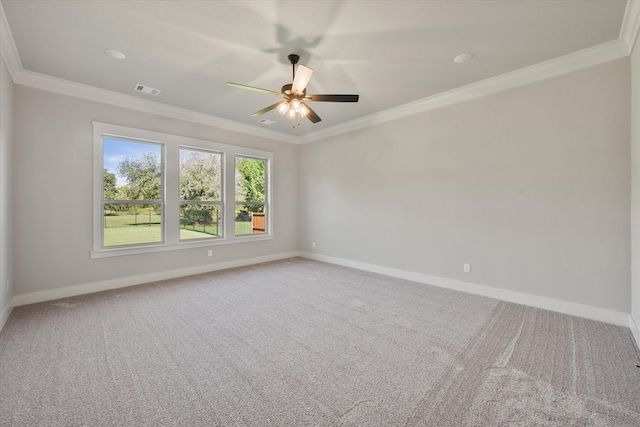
(295, 95)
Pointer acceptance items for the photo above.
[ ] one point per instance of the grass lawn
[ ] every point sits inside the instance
(243, 227)
(127, 235)
(121, 230)
(188, 234)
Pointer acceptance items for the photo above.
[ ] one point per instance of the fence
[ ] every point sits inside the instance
(257, 222)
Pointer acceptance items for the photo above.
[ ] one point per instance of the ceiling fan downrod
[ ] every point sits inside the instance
(293, 58)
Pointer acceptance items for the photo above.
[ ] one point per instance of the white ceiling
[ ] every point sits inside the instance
(391, 53)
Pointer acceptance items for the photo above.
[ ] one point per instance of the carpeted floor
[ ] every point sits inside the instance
(304, 343)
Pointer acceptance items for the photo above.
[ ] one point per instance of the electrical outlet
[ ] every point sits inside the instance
(313, 244)
(466, 268)
(210, 253)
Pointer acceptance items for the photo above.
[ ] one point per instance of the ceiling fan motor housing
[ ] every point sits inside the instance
(287, 90)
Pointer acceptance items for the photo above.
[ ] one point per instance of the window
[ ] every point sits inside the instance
(156, 192)
(200, 194)
(132, 192)
(250, 191)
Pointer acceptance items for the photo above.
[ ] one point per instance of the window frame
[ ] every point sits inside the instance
(265, 204)
(135, 202)
(219, 203)
(170, 186)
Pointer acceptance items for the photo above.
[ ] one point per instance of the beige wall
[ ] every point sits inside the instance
(6, 142)
(530, 186)
(635, 186)
(53, 194)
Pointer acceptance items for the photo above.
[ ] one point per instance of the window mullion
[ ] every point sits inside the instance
(229, 196)
(171, 195)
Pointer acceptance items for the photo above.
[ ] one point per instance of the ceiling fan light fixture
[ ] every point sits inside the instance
(283, 107)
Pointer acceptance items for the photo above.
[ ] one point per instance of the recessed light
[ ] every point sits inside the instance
(115, 54)
(462, 58)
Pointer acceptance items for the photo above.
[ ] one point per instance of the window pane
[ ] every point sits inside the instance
(251, 178)
(250, 219)
(127, 224)
(199, 221)
(132, 170)
(200, 174)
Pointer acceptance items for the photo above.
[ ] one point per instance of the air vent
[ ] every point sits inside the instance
(146, 89)
(266, 122)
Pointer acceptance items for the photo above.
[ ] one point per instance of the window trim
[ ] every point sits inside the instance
(171, 197)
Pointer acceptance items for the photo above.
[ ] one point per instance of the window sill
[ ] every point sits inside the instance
(137, 250)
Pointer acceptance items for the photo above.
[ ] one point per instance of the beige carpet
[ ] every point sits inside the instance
(303, 343)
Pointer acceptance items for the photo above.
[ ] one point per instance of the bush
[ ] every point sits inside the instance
(192, 216)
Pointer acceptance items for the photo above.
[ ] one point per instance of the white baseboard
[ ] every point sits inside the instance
(71, 291)
(596, 313)
(635, 330)
(4, 316)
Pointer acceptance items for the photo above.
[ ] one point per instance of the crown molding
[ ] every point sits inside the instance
(8, 49)
(564, 64)
(630, 24)
(91, 93)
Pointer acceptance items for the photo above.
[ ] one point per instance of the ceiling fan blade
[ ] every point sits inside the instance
(257, 89)
(266, 109)
(303, 75)
(333, 98)
(311, 115)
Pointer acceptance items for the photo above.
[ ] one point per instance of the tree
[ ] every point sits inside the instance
(109, 191)
(199, 180)
(109, 182)
(143, 177)
(251, 185)
(199, 175)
